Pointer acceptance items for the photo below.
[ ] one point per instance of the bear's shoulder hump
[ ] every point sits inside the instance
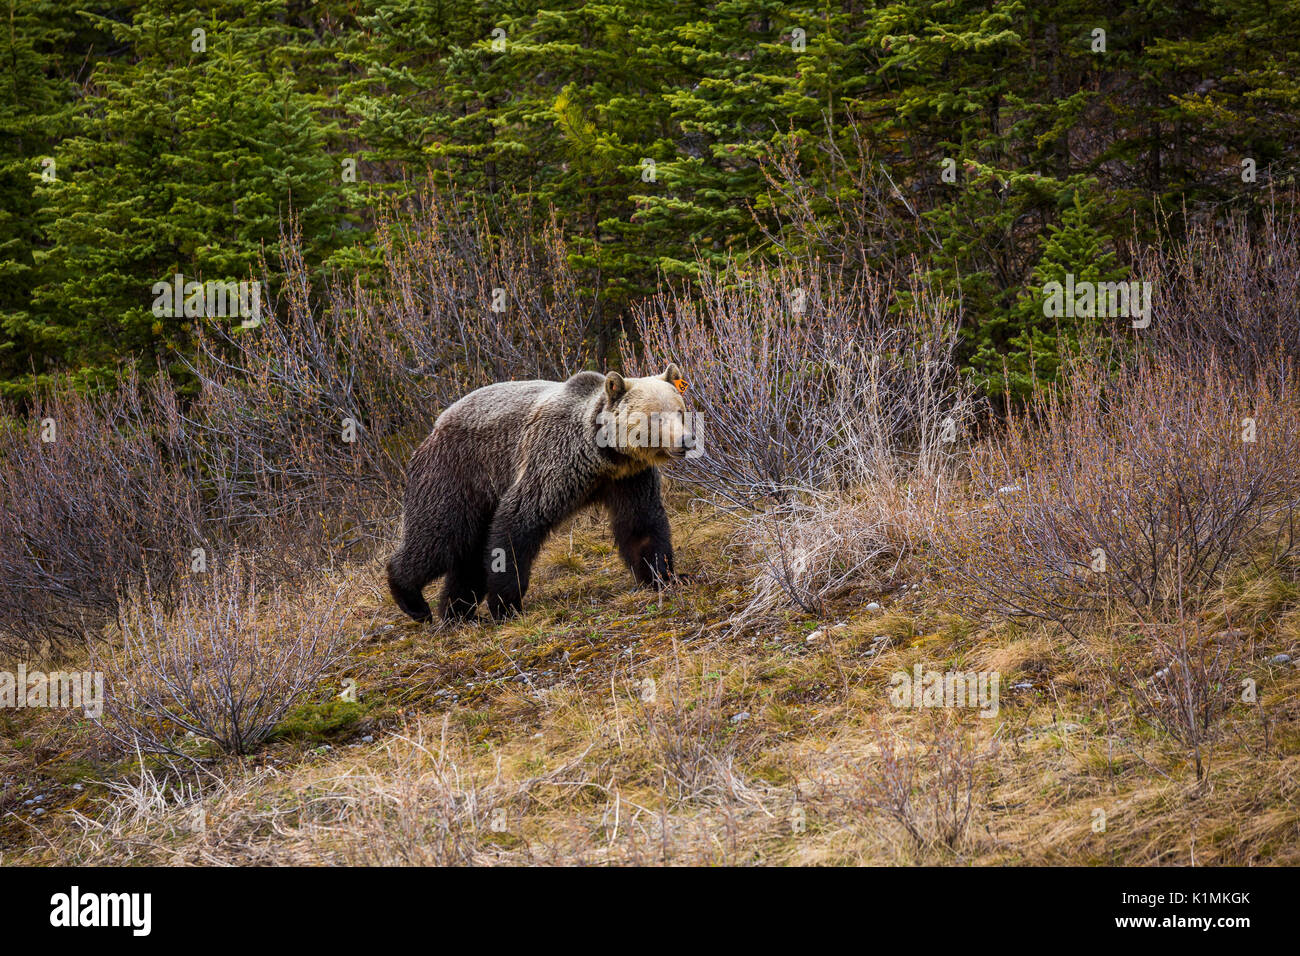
(584, 383)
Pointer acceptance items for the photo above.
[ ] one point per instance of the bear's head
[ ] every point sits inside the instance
(645, 418)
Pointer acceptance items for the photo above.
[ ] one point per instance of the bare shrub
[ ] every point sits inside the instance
(488, 295)
(1138, 489)
(806, 383)
(827, 417)
(225, 666)
(383, 358)
(926, 788)
(92, 496)
(1227, 287)
(817, 547)
(295, 445)
(1191, 690)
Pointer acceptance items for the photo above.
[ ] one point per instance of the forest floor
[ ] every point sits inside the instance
(608, 725)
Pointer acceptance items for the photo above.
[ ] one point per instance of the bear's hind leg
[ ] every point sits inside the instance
(465, 586)
(406, 582)
(526, 515)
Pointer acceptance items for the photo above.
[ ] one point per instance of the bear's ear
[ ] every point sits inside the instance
(615, 386)
(673, 373)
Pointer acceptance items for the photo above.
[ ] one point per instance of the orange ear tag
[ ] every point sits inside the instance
(681, 384)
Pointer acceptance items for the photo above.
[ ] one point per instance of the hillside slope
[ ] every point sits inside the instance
(608, 725)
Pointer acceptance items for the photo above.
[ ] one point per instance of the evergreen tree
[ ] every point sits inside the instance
(39, 51)
(1015, 139)
(1043, 327)
(187, 160)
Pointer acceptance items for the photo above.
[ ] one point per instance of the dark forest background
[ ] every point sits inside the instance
(983, 146)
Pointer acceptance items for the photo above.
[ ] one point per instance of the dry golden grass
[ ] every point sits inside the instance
(610, 726)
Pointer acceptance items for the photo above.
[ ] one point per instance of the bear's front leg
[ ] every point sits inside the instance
(640, 526)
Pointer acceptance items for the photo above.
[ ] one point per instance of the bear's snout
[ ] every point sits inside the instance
(677, 436)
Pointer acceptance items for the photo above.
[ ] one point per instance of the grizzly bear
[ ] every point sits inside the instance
(508, 462)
